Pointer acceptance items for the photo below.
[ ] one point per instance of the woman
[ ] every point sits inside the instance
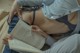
(48, 13)
(44, 17)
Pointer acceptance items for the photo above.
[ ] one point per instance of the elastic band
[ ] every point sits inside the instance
(33, 16)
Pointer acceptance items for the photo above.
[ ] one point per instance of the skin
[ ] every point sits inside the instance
(78, 2)
(42, 24)
(53, 27)
(15, 8)
(47, 25)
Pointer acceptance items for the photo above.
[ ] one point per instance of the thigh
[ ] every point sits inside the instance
(69, 45)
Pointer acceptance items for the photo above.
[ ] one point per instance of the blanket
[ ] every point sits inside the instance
(3, 28)
(5, 6)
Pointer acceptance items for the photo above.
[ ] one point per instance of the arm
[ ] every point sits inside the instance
(8, 37)
(15, 8)
(38, 30)
(49, 40)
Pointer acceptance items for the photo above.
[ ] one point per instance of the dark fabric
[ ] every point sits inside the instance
(13, 23)
(29, 8)
(64, 19)
(11, 26)
(33, 17)
(8, 50)
(79, 32)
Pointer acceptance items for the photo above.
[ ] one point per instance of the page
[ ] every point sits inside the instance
(22, 32)
(21, 46)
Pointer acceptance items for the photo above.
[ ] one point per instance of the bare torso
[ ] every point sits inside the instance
(47, 25)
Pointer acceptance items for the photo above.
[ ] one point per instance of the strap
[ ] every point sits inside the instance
(33, 16)
(32, 19)
(77, 29)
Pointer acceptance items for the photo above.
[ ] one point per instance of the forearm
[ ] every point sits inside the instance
(44, 34)
(37, 29)
(15, 8)
(49, 40)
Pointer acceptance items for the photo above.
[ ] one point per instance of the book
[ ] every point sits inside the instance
(22, 33)
(20, 46)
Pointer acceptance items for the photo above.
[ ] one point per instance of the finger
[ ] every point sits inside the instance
(9, 20)
(10, 36)
(33, 30)
(5, 41)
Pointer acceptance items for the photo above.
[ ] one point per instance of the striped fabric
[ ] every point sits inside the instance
(11, 26)
(13, 23)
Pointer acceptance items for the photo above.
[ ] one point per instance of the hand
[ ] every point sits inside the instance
(37, 29)
(5, 40)
(19, 12)
(9, 20)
